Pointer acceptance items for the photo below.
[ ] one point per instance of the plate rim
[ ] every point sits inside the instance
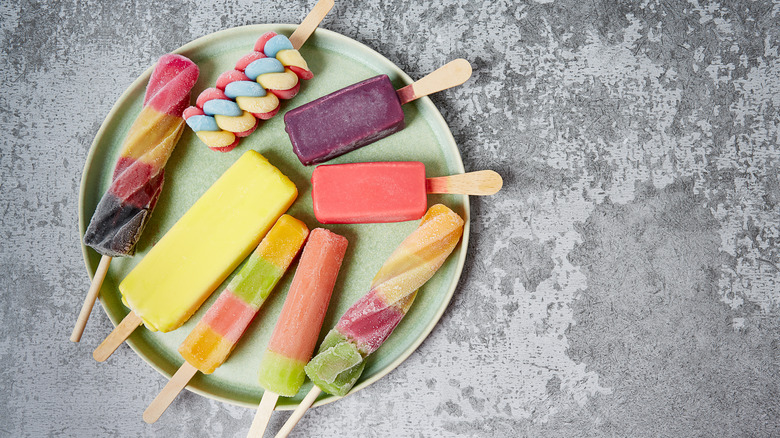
(287, 29)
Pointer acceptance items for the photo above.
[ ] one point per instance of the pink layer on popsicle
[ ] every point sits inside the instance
(370, 321)
(170, 84)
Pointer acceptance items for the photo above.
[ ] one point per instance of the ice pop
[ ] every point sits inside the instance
(138, 176)
(251, 91)
(296, 331)
(370, 321)
(387, 191)
(361, 113)
(202, 248)
(216, 334)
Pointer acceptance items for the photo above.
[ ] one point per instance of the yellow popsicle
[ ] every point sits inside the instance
(207, 243)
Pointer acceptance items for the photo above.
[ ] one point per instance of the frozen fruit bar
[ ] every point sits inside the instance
(361, 113)
(137, 181)
(369, 322)
(369, 192)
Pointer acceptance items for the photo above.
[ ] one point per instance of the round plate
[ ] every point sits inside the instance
(337, 61)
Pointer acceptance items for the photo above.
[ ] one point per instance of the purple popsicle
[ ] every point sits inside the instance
(361, 113)
(344, 120)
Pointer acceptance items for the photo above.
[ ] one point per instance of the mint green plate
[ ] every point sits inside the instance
(336, 61)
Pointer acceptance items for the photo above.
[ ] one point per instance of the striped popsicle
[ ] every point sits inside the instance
(137, 181)
(217, 333)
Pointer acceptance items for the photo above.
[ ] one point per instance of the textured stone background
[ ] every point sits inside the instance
(626, 282)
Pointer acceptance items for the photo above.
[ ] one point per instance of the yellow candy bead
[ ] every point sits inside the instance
(241, 123)
(216, 139)
(278, 81)
(292, 57)
(264, 104)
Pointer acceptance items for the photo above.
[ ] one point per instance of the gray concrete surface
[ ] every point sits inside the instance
(626, 282)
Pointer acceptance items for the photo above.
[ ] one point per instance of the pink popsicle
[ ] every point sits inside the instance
(298, 327)
(394, 191)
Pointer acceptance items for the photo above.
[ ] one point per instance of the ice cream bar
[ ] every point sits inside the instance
(207, 243)
(217, 333)
(137, 180)
(386, 191)
(371, 320)
(344, 120)
(361, 114)
(298, 327)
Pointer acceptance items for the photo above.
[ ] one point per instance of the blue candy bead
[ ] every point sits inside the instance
(222, 107)
(263, 66)
(202, 123)
(276, 44)
(244, 88)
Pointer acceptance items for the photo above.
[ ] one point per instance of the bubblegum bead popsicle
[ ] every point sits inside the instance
(126, 207)
(369, 322)
(216, 334)
(361, 114)
(387, 191)
(252, 90)
(202, 248)
(298, 327)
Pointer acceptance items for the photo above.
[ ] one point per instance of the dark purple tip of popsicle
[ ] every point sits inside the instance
(124, 209)
(115, 227)
(344, 120)
(369, 322)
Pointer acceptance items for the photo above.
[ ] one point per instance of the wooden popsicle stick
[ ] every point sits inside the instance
(299, 411)
(483, 182)
(310, 23)
(263, 415)
(449, 75)
(169, 392)
(89, 301)
(116, 337)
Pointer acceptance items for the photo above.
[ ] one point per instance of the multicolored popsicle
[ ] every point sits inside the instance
(202, 248)
(370, 321)
(393, 191)
(216, 334)
(361, 114)
(298, 327)
(137, 181)
(251, 91)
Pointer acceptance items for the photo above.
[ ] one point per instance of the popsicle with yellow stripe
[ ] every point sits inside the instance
(213, 339)
(137, 181)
